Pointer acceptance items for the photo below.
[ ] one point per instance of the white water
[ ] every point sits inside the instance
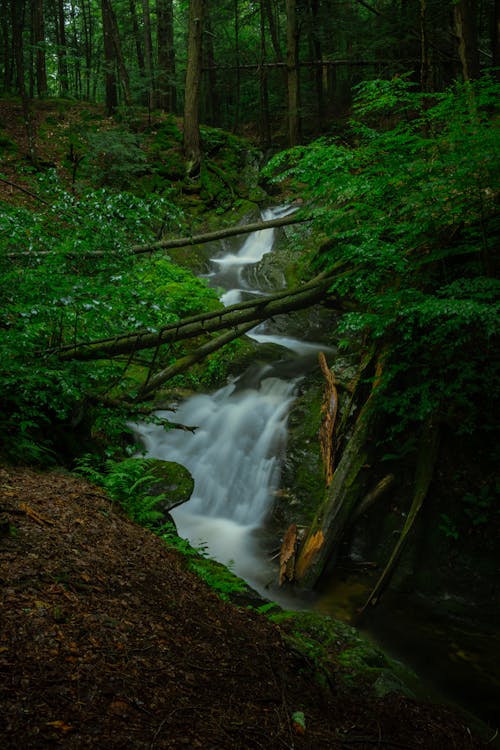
(236, 451)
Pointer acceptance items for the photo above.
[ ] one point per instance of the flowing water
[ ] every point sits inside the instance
(235, 457)
(235, 454)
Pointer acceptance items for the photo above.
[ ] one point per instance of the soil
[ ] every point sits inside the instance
(108, 641)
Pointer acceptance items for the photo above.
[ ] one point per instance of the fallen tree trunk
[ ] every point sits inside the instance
(177, 242)
(321, 545)
(254, 311)
(183, 364)
(219, 234)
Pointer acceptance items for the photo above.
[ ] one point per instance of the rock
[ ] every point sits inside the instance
(174, 482)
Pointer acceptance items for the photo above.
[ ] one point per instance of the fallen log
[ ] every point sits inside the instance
(255, 311)
(177, 242)
(219, 234)
(184, 363)
(321, 545)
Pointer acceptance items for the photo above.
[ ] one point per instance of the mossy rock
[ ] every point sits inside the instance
(174, 482)
(339, 652)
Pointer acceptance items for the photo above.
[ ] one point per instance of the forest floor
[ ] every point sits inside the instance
(108, 641)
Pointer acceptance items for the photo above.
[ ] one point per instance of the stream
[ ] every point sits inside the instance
(235, 457)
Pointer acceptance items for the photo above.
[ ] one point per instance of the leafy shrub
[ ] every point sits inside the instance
(69, 293)
(410, 214)
(127, 482)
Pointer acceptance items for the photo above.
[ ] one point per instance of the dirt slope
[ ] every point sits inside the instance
(106, 641)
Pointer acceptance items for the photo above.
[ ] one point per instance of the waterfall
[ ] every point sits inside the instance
(236, 451)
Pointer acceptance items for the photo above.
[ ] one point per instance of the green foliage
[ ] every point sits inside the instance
(113, 157)
(219, 577)
(71, 294)
(410, 210)
(128, 482)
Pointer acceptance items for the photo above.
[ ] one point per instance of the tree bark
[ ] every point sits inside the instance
(265, 129)
(292, 74)
(191, 142)
(183, 364)
(39, 40)
(62, 61)
(148, 53)
(219, 234)
(495, 38)
(212, 99)
(137, 38)
(464, 13)
(167, 94)
(111, 88)
(321, 545)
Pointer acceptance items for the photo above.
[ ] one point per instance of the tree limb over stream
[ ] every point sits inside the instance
(253, 311)
(177, 242)
(219, 234)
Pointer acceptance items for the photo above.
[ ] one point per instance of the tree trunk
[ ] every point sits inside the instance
(195, 239)
(6, 45)
(321, 545)
(148, 54)
(191, 143)
(212, 96)
(425, 67)
(183, 364)
(265, 129)
(62, 60)
(220, 234)
(316, 54)
(237, 88)
(464, 14)
(88, 26)
(292, 74)
(17, 12)
(273, 30)
(137, 39)
(495, 38)
(167, 94)
(39, 41)
(111, 88)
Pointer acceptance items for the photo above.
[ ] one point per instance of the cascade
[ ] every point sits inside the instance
(235, 454)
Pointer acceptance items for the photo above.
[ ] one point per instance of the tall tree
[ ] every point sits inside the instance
(265, 128)
(495, 37)
(148, 53)
(39, 45)
(113, 58)
(191, 142)
(111, 84)
(62, 58)
(292, 57)
(465, 14)
(167, 92)
(211, 92)
(137, 38)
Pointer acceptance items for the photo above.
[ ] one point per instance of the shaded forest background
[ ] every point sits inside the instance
(272, 69)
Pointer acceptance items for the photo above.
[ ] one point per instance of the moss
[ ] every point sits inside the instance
(339, 652)
(303, 476)
(174, 481)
